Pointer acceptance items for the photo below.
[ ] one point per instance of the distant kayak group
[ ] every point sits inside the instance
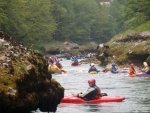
(56, 67)
(93, 93)
(131, 71)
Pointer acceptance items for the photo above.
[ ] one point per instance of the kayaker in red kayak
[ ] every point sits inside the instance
(93, 91)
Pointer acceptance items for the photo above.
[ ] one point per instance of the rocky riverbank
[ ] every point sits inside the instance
(25, 83)
(124, 50)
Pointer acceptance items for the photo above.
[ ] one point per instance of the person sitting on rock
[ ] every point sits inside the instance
(93, 68)
(93, 91)
(114, 68)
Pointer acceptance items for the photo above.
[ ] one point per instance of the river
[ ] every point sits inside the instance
(136, 90)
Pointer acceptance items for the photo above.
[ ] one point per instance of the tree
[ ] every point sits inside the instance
(3, 17)
(30, 21)
(136, 12)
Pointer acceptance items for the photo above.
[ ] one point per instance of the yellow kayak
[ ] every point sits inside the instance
(54, 69)
(93, 72)
(133, 75)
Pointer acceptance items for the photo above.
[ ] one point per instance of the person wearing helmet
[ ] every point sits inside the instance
(76, 59)
(93, 68)
(132, 71)
(114, 68)
(145, 69)
(58, 64)
(93, 91)
(50, 61)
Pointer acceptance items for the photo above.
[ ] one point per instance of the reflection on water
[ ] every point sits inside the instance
(91, 107)
(135, 89)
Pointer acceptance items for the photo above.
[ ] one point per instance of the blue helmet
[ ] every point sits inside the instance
(113, 64)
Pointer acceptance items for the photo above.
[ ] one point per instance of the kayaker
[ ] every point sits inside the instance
(114, 68)
(75, 59)
(132, 71)
(93, 68)
(58, 64)
(93, 91)
(50, 61)
(145, 68)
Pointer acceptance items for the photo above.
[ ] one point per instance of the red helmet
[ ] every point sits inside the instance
(92, 81)
(131, 64)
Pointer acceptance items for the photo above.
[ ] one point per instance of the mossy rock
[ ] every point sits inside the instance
(25, 83)
(130, 48)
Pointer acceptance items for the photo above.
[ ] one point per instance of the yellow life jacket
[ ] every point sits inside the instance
(145, 69)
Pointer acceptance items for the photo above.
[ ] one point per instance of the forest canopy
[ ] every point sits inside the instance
(37, 22)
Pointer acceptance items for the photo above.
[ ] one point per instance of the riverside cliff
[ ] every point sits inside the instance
(126, 49)
(25, 83)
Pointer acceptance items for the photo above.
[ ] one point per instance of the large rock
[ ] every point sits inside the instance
(25, 83)
(131, 48)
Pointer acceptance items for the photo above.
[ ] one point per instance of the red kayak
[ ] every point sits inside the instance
(74, 99)
(75, 63)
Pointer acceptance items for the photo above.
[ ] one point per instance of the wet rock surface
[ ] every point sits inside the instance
(124, 50)
(25, 83)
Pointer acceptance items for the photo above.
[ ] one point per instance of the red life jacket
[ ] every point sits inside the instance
(131, 71)
(58, 65)
(93, 68)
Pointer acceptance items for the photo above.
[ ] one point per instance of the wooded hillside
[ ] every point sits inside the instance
(38, 22)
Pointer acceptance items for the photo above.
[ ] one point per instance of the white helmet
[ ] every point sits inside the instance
(92, 64)
(145, 64)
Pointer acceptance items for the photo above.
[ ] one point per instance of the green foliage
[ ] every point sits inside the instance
(136, 12)
(89, 46)
(3, 17)
(142, 27)
(39, 49)
(83, 21)
(30, 21)
(37, 22)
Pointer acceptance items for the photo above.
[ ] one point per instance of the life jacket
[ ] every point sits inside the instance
(92, 93)
(145, 69)
(131, 71)
(58, 65)
(93, 68)
(76, 59)
(114, 69)
(98, 92)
